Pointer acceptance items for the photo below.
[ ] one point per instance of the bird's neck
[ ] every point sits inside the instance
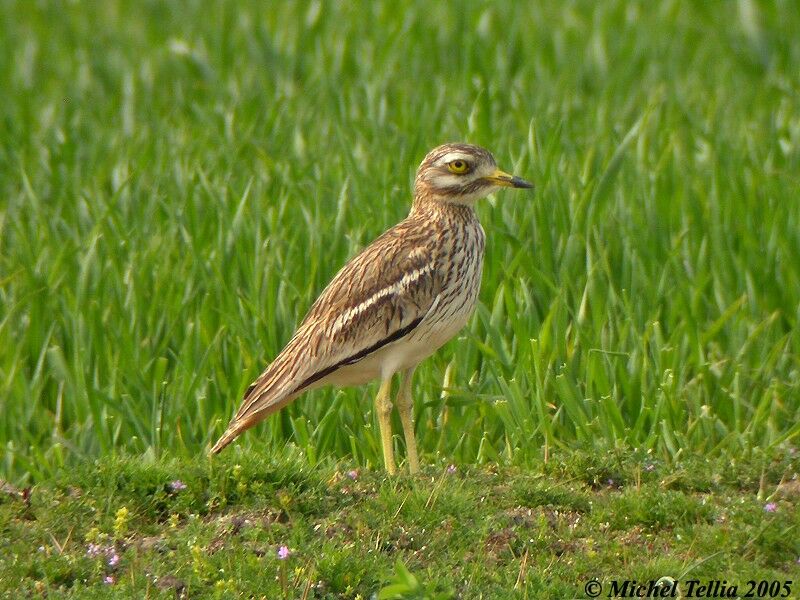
(429, 208)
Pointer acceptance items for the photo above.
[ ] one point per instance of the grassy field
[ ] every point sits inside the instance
(216, 529)
(179, 183)
(179, 180)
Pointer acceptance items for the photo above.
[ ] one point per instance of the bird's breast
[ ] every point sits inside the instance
(463, 265)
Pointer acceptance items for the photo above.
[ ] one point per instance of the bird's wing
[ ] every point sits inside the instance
(378, 297)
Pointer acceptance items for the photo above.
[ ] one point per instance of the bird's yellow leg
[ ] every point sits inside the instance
(383, 406)
(405, 406)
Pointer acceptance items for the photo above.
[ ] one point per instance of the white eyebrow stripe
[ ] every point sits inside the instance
(351, 313)
(455, 155)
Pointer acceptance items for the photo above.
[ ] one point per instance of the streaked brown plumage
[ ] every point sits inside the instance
(393, 304)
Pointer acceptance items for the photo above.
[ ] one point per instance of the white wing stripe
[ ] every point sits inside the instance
(351, 313)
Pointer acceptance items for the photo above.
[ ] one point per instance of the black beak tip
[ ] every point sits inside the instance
(518, 182)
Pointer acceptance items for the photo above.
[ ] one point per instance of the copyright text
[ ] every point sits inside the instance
(666, 587)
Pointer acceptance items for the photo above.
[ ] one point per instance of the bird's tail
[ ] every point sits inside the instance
(274, 389)
(231, 433)
(266, 405)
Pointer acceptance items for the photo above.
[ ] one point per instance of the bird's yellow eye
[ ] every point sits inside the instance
(459, 167)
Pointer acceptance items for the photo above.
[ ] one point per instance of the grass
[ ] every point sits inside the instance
(476, 532)
(178, 181)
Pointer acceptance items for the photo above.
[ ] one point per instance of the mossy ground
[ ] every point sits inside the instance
(469, 532)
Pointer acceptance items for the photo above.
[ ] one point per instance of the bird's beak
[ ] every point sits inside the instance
(503, 179)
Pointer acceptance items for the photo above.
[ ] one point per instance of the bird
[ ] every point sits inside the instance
(393, 304)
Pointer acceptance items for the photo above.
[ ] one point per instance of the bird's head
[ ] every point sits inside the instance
(461, 174)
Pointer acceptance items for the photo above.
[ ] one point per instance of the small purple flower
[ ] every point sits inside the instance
(649, 467)
(452, 469)
(770, 507)
(109, 580)
(93, 550)
(284, 552)
(353, 474)
(177, 485)
(114, 560)
(610, 482)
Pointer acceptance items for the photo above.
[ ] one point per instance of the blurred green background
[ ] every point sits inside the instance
(178, 181)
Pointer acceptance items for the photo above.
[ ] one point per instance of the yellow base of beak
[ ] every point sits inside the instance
(503, 179)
